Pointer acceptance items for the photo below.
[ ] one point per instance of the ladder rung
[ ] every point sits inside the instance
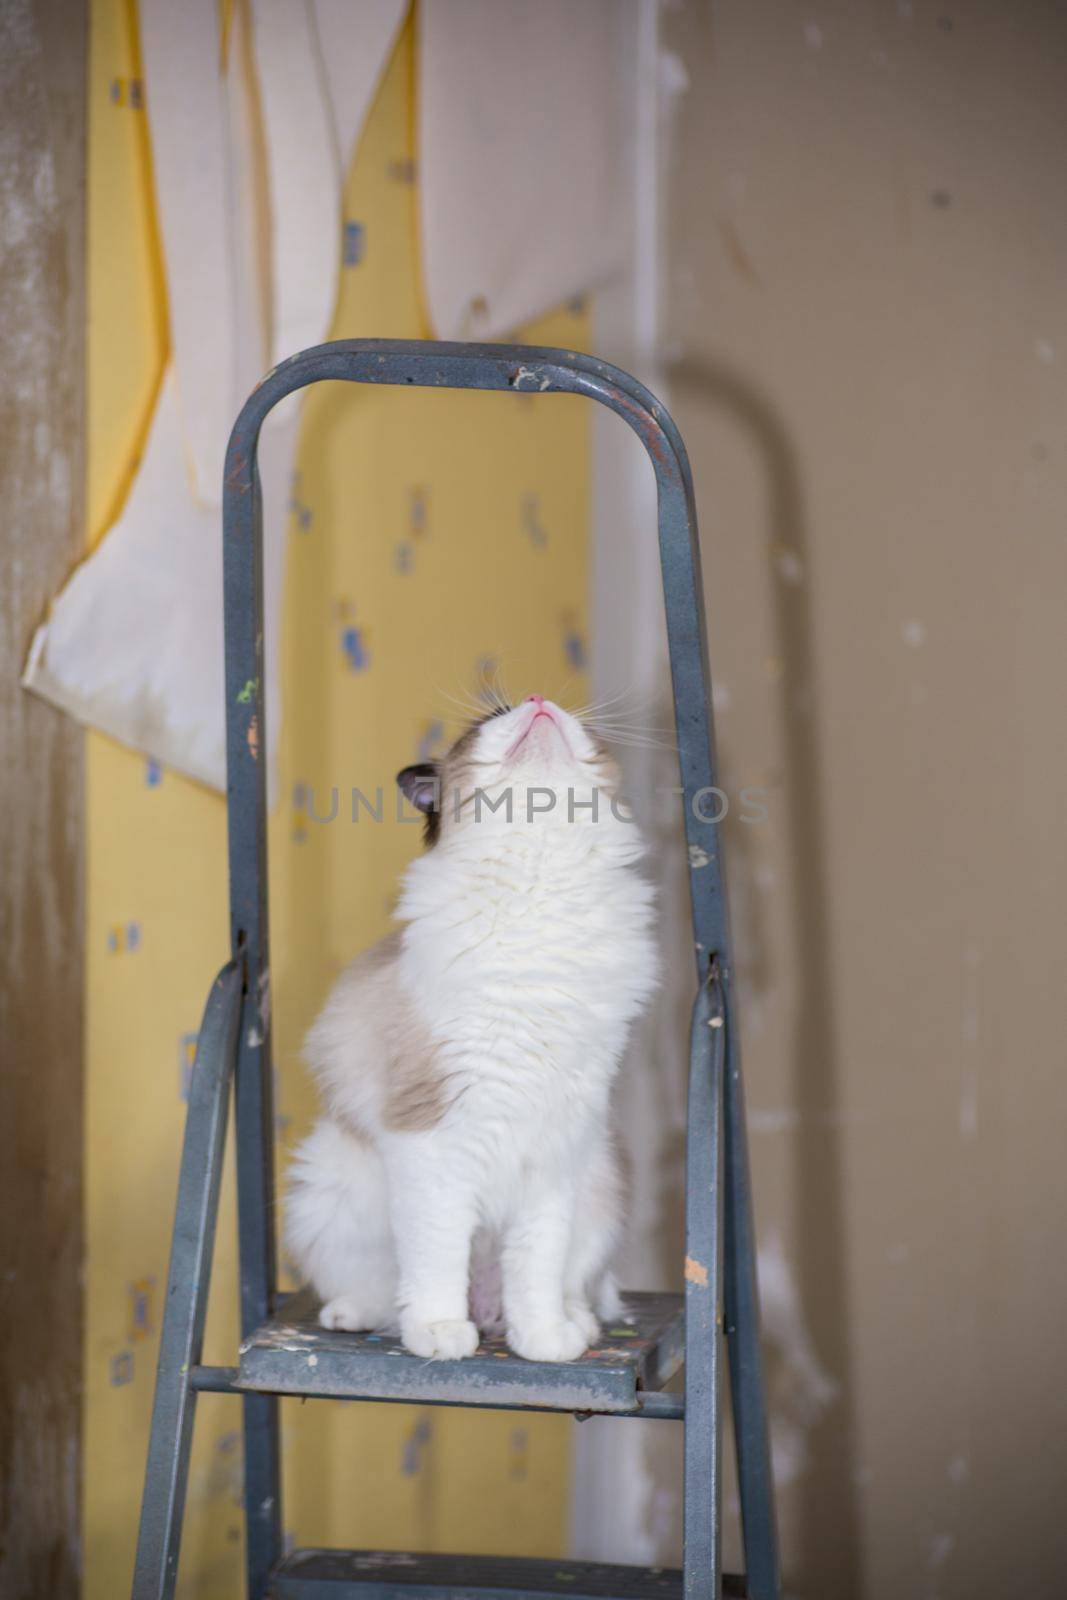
(214, 1380)
(655, 1404)
(383, 1574)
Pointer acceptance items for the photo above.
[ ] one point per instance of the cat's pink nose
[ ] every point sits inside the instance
(535, 699)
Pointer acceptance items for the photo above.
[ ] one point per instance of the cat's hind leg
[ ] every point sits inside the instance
(590, 1291)
(337, 1228)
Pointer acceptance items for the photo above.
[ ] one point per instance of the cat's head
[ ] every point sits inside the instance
(517, 766)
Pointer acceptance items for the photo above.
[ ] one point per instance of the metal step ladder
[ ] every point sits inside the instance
(284, 1351)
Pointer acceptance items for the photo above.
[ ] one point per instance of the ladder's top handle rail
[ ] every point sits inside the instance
(430, 364)
(516, 369)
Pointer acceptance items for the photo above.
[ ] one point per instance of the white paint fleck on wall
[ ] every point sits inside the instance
(773, 1121)
(800, 1387)
(673, 77)
(789, 565)
(968, 1114)
(940, 1548)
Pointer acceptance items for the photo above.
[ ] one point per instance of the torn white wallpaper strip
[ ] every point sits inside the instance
(355, 43)
(318, 68)
(185, 97)
(247, 217)
(142, 615)
(522, 117)
(133, 644)
(304, 175)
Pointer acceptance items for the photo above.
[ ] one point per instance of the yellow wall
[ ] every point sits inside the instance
(433, 539)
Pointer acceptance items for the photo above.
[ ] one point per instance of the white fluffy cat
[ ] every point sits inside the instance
(466, 1175)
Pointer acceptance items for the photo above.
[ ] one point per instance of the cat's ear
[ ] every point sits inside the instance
(421, 785)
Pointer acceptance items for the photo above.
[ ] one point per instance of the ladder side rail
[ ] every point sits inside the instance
(188, 1282)
(702, 1572)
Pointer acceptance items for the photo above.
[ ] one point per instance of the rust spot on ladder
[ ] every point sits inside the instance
(696, 1273)
(238, 477)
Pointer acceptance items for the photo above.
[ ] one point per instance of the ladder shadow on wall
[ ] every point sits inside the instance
(826, 1495)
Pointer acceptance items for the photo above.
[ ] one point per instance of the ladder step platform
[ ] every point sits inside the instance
(394, 1575)
(638, 1353)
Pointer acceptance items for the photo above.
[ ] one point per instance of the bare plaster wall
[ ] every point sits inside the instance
(42, 174)
(866, 326)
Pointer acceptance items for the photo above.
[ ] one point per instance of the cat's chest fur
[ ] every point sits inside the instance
(531, 959)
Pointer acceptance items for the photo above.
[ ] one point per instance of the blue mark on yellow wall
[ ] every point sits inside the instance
(300, 812)
(299, 510)
(353, 636)
(354, 648)
(431, 740)
(120, 1369)
(519, 1465)
(124, 936)
(153, 773)
(573, 642)
(127, 92)
(142, 1322)
(355, 239)
(530, 520)
(418, 510)
(417, 528)
(415, 1445)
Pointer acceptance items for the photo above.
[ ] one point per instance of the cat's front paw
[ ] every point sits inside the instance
(439, 1341)
(564, 1340)
(345, 1312)
(582, 1317)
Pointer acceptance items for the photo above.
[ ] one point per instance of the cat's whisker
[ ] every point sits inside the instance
(559, 697)
(638, 742)
(632, 733)
(470, 710)
(465, 696)
(505, 696)
(633, 727)
(606, 704)
(492, 688)
(611, 699)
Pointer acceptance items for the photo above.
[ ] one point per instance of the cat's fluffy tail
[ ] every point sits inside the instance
(337, 1228)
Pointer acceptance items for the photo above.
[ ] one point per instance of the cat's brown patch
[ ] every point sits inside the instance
(416, 1090)
(417, 1096)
